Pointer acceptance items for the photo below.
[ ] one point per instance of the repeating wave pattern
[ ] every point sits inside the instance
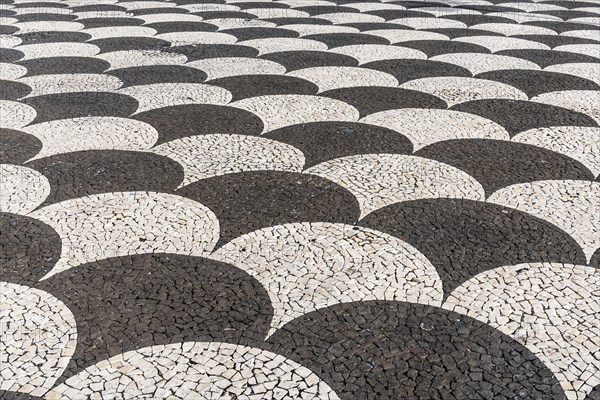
(299, 199)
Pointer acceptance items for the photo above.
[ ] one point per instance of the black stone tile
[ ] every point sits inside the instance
(181, 121)
(322, 141)
(33, 17)
(81, 104)
(101, 8)
(11, 90)
(299, 20)
(568, 14)
(389, 15)
(518, 116)
(108, 45)
(82, 173)
(64, 65)
(408, 70)
(185, 2)
(560, 26)
(208, 15)
(17, 147)
(260, 33)
(326, 9)
(346, 39)
(437, 47)
(28, 248)
(10, 55)
(393, 350)
(474, 19)
(498, 163)
(545, 58)
(294, 60)
(149, 74)
(246, 201)
(534, 82)
(260, 4)
(7, 30)
(159, 10)
(53, 37)
(41, 5)
(572, 3)
(203, 51)
(182, 26)
(125, 303)
(556, 40)
(90, 23)
(416, 4)
(373, 26)
(463, 238)
(371, 99)
(454, 33)
(245, 86)
(488, 8)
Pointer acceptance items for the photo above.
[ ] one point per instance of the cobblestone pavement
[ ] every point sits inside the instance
(300, 199)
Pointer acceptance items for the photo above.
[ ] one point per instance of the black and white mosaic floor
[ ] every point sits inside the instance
(300, 199)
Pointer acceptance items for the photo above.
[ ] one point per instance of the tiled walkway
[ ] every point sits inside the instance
(300, 199)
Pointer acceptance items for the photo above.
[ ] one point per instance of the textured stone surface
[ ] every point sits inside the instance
(299, 199)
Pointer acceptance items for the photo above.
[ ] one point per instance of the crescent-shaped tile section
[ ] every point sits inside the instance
(372, 99)
(463, 238)
(39, 336)
(500, 163)
(328, 78)
(16, 146)
(205, 156)
(579, 143)
(518, 115)
(427, 126)
(589, 71)
(396, 350)
(138, 58)
(247, 201)
(324, 141)
(185, 298)
(65, 49)
(202, 370)
(285, 110)
(161, 95)
(187, 120)
(535, 83)
(28, 249)
(399, 178)
(11, 71)
(15, 115)
(456, 90)
(478, 63)
(549, 308)
(365, 53)
(83, 173)
(584, 101)
(53, 107)
(308, 266)
(572, 205)
(123, 223)
(234, 66)
(92, 133)
(22, 189)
